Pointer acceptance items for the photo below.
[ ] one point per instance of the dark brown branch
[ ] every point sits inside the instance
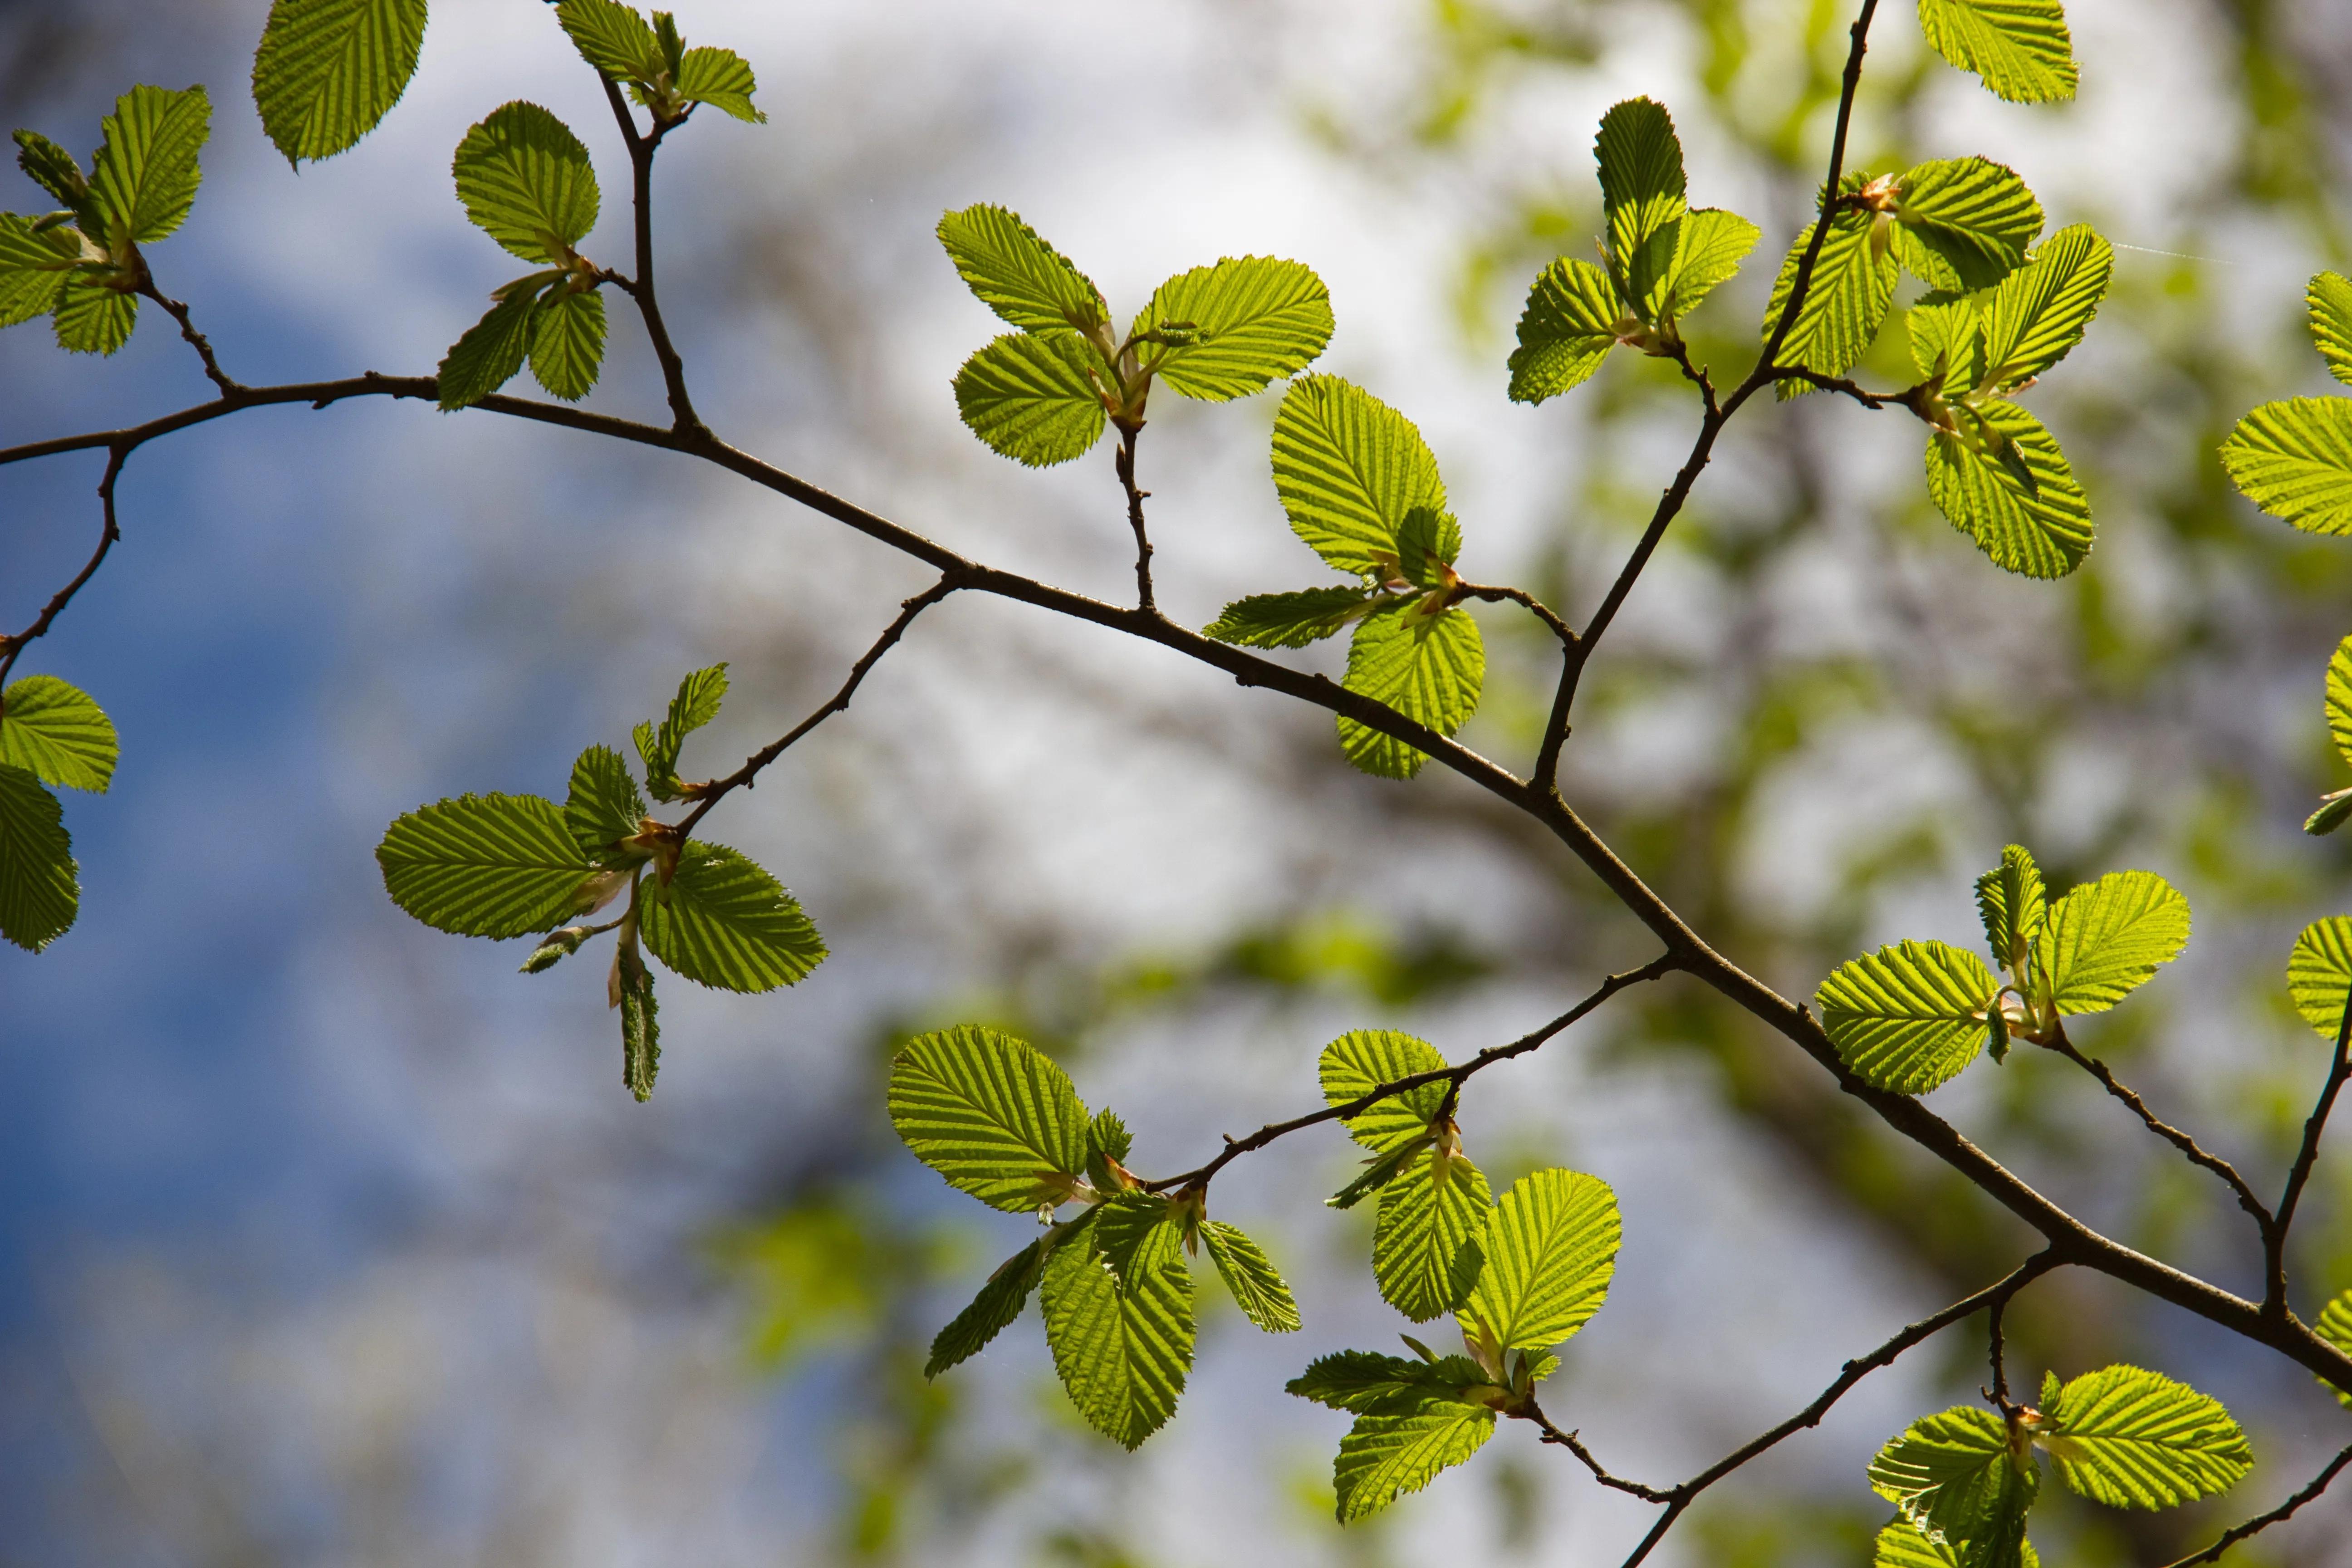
(1906, 398)
(1574, 1445)
(1525, 600)
(1454, 1076)
(2180, 1140)
(2262, 1521)
(641, 169)
(108, 531)
(711, 794)
(1126, 463)
(196, 339)
(2314, 1128)
(1994, 1352)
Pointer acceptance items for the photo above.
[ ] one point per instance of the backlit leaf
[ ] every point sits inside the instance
(1368, 1385)
(526, 182)
(695, 704)
(567, 342)
(1845, 304)
(1349, 468)
(2330, 301)
(2020, 48)
(992, 1114)
(146, 175)
(999, 1302)
(1550, 1247)
(1964, 224)
(484, 865)
(612, 37)
(55, 730)
(1906, 1017)
(92, 319)
(1642, 185)
(1032, 397)
(1424, 1241)
(1431, 669)
(2015, 904)
(32, 269)
(2319, 973)
(1360, 1061)
(1289, 620)
(2131, 1438)
(2106, 939)
(1709, 245)
(1257, 1284)
(1952, 1477)
(490, 353)
(1122, 1344)
(39, 892)
(2335, 1326)
(1383, 1457)
(2294, 459)
(1571, 321)
(2041, 531)
(721, 79)
(1255, 321)
(723, 921)
(328, 71)
(2041, 309)
(1016, 274)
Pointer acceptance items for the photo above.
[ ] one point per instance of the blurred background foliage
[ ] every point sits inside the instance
(552, 1337)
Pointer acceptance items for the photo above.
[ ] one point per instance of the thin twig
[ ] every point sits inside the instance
(1998, 1393)
(1126, 464)
(1454, 1076)
(2314, 1128)
(1906, 398)
(108, 531)
(228, 386)
(641, 169)
(709, 794)
(2262, 1521)
(2180, 1140)
(1574, 1445)
(1520, 596)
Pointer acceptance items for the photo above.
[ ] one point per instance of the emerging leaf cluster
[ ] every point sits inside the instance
(652, 62)
(51, 733)
(503, 866)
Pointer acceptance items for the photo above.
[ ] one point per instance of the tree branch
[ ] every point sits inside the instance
(196, 339)
(2314, 1128)
(11, 647)
(2262, 1521)
(641, 169)
(1126, 463)
(1527, 601)
(2181, 1140)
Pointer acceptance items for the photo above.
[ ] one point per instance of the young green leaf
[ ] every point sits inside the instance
(721, 79)
(1289, 620)
(2294, 459)
(2335, 1326)
(1358, 1062)
(55, 731)
(1364, 1384)
(1384, 1456)
(1032, 397)
(1122, 1342)
(1947, 341)
(491, 351)
(1349, 468)
(33, 268)
(1907, 1018)
(1108, 1135)
(1952, 1477)
(2106, 939)
(1572, 319)
(1426, 1255)
(999, 1302)
(1431, 669)
(1257, 1287)
(1903, 1544)
(1963, 224)
(2015, 905)
(53, 169)
(1427, 546)
(526, 182)
(603, 806)
(2041, 309)
(2131, 1438)
(2044, 530)
(2339, 699)
(1550, 1247)
(2020, 47)
(612, 37)
(1016, 274)
(144, 178)
(567, 342)
(328, 71)
(93, 319)
(2329, 299)
(484, 865)
(695, 705)
(723, 921)
(40, 891)
(1709, 245)
(992, 1114)
(640, 1022)
(1250, 322)
(1642, 186)
(2319, 973)
(1846, 303)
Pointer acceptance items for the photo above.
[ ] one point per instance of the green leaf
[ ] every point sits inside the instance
(640, 1022)
(53, 169)
(1550, 1247)
(2020, 47)
(1641, 187)
(1349, 468)
(483, 865)
(723, 921)
(1949, 340)
(2014, 906)
(1903, 1544)
(1016, 274)
(1254, 320)
(603, 806)
(696, 704)
(1289, 620)
(2294, 459)
(1384, 1456)
(490, 353)
(1709, 245)
(92, 319)
(1358, 1062)
(2330, 300)
(1368, 1384)
(999, 1302)
(721, 79)
(2335, 1326)
(1952, 1477)
(567, 342)
(2131, 1438)
(1428, 668)
(1032, 397)
(1427, 546)
(992, 1114)
(1257, 1284)
(2334, 811)
(2104, 940)
(1853, 286)
(146, 175)
(1108, 1135)
(1121, 1345)
(1964, 224)
(1572, 319)
(2319, 973)
(1425, 1252)
(328, 71)
(2041, 531)
(1908, 1017)
(612, 37)
(39, 892)
(2041, 309)
(55, 730)
(33, 268)
(526, 182)
(2339, 699)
